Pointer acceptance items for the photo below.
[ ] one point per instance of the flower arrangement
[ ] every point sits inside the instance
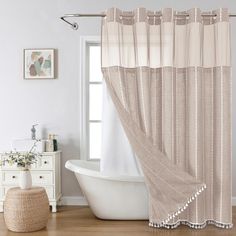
(23, 160)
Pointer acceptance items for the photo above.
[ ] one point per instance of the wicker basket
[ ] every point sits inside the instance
(26, 210)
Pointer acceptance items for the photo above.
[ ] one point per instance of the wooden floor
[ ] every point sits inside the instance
(72, 221)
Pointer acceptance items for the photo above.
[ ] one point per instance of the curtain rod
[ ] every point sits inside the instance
(75, 25)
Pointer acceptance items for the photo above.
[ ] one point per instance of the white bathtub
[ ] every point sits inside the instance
(111, 197)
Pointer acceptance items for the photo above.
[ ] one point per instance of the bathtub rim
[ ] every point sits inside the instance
(73, 165)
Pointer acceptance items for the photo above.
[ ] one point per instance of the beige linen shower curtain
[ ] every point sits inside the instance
(170, 80)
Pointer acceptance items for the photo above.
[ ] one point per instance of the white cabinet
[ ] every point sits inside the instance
(46, 173)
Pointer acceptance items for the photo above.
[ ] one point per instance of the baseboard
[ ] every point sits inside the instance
(81, 201)
(74, 201)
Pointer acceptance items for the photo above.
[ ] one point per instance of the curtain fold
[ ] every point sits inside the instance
(170, 80)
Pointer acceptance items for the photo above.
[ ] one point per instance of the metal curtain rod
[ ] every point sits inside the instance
(75, 25)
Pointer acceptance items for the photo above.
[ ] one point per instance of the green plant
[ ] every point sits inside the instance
(22, 160)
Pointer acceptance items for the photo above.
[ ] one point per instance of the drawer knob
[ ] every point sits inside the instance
(45, 162)
(13, 177)
(40, 176)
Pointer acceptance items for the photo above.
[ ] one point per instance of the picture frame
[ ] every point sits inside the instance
(39, 63)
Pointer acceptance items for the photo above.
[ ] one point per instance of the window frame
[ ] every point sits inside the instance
(85, 42)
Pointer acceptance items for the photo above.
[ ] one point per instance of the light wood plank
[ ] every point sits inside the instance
(72, 221)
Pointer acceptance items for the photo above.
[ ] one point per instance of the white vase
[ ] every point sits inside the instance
(25, 180)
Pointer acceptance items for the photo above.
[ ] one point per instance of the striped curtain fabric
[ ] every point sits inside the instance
(169, 77)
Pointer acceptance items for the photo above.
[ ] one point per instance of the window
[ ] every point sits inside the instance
(95, 101)
(91, 97)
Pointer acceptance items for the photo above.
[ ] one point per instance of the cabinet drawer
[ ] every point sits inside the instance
(10, 177)
(46, 162)
(38, 177)
(42, 177)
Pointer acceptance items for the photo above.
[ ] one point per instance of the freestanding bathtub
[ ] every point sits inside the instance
(111, 197)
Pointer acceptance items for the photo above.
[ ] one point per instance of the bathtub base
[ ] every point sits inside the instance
(111, 197)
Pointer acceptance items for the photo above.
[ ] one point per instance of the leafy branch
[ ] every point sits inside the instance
(22, 159)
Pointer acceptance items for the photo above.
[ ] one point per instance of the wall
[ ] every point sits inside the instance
(54, 104)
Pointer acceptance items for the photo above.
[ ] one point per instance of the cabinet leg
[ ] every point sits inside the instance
(54, 207)
(59, 202)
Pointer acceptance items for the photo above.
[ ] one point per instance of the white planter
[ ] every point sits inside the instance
(25, 180)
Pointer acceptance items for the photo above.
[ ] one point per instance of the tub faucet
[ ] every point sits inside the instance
(33, 132)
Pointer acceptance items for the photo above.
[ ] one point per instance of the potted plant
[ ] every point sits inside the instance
(23, 160)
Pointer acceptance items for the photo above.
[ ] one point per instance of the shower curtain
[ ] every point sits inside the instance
(169, 78)
(117, 157)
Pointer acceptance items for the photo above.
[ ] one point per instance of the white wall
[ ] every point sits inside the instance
(55, 103)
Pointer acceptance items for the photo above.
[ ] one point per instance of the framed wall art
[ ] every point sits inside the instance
(39, 63)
